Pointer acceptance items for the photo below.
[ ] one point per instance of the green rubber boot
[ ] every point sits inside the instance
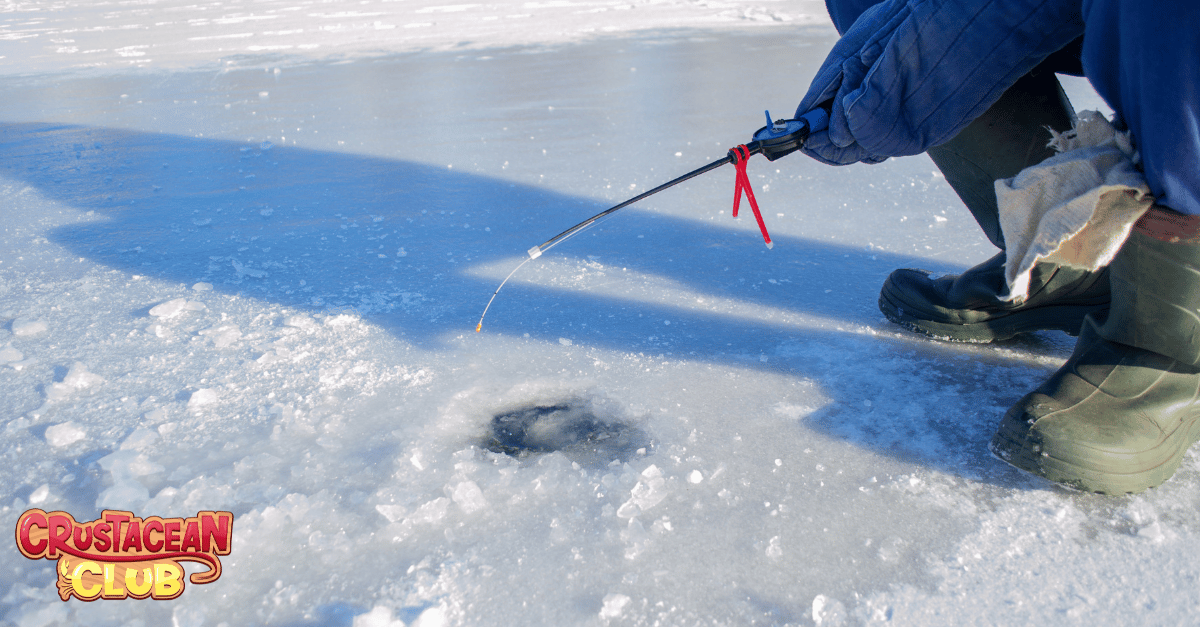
(968, 308)
(1009, 137)
(1120, 414)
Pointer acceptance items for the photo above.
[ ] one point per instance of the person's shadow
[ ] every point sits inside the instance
(418, 250)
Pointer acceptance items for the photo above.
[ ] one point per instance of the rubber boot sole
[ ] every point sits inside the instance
(1066, 318)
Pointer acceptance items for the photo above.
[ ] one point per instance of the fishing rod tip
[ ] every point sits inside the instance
(770, 245)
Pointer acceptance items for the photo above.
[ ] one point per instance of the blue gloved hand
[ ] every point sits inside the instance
(842, 73)
(910, 74)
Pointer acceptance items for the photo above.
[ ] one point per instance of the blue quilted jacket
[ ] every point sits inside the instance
(909, 74)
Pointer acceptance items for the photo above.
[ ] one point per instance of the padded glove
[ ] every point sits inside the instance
(910, 74)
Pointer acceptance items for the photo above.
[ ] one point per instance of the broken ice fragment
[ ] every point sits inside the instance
(649, 491)
(469, 497)
(432, 511)
(300, 321)
(77, 378)
(224, 335)
(173, 308)
(245, 270)
(614, 605)
(379, 616)
(141, 438)
(394, 513)
(9, 355)
(39, 496)
(203, 396)
(22, 327)
(64, 434)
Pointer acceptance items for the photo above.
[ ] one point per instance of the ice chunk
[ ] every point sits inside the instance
(432, 617)
(173, 308)
(9, 355)
(394, 513)
(773, 548)
(202, 287)
(614, 605)
(78, 377)
(300, 321)
(224, 335)
(64, 434)
(379, 616)
(129, 463)
(650, 490)
(22, 327)
(636, 538)
(432, 511)
(1152, 532)
(126, 494)
(340, 320)
(203, 396)
(247, 271)
(39, 496)
(695, 477)
(140, 439)
(469, 497)
(828, 611)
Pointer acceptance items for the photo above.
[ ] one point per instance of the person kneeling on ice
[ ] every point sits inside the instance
(1101, 241)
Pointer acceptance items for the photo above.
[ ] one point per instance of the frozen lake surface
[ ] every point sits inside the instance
(250, 281)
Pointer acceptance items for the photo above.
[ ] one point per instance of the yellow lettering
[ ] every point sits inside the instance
(87, 593)
(167, 584)
(131, 584)
(110, 577)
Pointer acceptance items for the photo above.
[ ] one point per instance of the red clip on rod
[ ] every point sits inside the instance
(741, 157)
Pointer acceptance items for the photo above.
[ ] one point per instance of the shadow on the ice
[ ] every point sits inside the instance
(418, 249)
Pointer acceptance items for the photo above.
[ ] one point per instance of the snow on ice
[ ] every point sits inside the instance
(245, 246)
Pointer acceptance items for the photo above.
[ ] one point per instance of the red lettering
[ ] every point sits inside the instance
(133, 537)
(100, 531)
(83, 542)
(191, 536)
(215, 528)
(171, 534)
(60, 524)
(115, 519)
(29, 520)
(148, 541)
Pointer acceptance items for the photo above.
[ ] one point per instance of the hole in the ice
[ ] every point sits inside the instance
(570, 427)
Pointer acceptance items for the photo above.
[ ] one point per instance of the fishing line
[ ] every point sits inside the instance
(774, 140)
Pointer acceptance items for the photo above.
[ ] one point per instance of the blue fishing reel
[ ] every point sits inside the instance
(783, 137)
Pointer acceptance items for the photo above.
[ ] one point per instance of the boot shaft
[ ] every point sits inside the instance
(1009, 137)
(1155, 282)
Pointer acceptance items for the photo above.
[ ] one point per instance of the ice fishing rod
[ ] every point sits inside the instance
(776, 139)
